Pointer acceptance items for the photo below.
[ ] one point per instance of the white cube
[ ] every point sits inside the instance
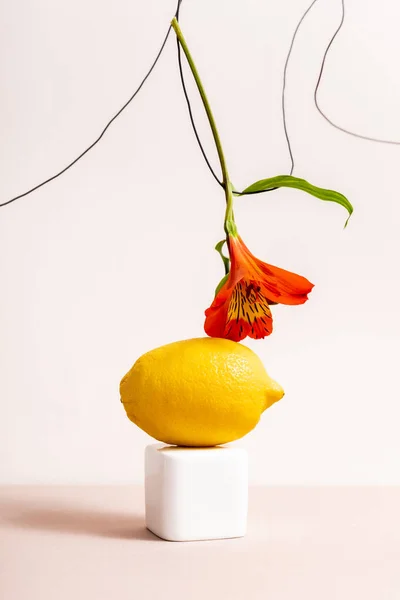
(196, 493)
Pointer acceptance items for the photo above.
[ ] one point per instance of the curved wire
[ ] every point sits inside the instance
(284, 84)
(185, 92)
(284, 117)
(36, 187)
(283, 101)
(322, 113)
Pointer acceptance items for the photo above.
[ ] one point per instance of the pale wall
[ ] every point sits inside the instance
(117, 256)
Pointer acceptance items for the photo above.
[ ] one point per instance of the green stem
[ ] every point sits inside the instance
(229, 224)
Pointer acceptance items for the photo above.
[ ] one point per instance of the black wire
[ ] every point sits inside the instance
(192, 118)
(105, 128)
(284, 84)
(185, 92)
(191, 112)
(284, 118)
(196, 133)
(353, 133)
(283, 103)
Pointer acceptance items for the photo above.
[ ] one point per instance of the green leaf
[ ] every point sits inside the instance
(221, 283)
(300, 184)
(225, 259)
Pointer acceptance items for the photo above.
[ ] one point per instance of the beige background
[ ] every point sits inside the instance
(324, 542)
(117, 256)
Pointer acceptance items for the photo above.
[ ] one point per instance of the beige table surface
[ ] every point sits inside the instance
(90, 543)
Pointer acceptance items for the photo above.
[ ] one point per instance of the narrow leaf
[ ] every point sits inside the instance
(225, 259)
(221, 283)
(300, 184)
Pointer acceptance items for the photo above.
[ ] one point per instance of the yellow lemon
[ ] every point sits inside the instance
(198, 392)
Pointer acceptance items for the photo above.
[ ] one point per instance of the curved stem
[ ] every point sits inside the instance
(230, 227)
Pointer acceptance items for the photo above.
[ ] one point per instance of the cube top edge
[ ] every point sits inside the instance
(178, 452)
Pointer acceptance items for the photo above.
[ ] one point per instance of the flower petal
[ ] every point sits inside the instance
(280, 286)
(215, 322)
(241, 306)
(248, 313)
(283, 286)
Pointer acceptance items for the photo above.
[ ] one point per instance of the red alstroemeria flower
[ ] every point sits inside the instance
(241, 306)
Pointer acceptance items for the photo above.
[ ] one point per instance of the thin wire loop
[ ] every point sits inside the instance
(316, 102)
(283, 102)
(192, 120)
(284, 84)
